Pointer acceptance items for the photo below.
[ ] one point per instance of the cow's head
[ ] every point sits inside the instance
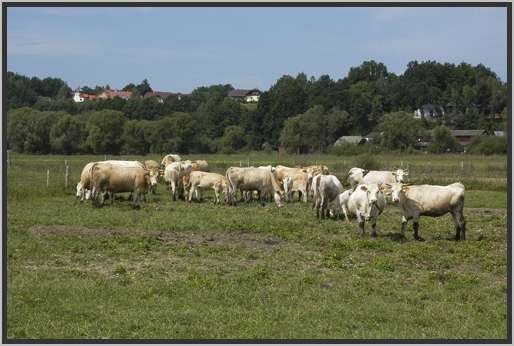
(356, 174)
(372, 193)
(152, 177)
(79, 190)
(396, 189)
(400, 174)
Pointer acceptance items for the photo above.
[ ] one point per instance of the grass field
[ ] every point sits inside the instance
(178, 270)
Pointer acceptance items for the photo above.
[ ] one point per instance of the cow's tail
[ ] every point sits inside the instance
(92, 184)
(231, 187)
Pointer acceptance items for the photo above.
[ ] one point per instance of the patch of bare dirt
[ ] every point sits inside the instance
(190, 238)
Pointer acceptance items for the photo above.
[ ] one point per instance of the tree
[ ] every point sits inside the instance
(105, 129)
(28, 130)
(399, 130)
(143, 87)
(135, 137)
(233, 139)
(443, 141)
(67, 135)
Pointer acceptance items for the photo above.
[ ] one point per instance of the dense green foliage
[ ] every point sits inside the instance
(300, 114)
(443, 141)
(489, 145)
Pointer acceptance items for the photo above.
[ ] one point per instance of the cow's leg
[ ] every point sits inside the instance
(361, 226)
(460, 225)
(404, 223)
(415, 226)
(191, 191)
(374, 228)
(345, 212)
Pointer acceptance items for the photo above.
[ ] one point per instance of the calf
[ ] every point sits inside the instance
(430, 200)
(200, 181)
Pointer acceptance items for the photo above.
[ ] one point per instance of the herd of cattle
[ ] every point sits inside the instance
(365, 200)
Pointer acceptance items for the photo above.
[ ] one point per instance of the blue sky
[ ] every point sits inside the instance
(179, 49)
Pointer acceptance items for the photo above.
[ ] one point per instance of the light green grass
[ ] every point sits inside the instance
(179, 270)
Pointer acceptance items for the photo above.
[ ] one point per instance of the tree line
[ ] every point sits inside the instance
(297, 113)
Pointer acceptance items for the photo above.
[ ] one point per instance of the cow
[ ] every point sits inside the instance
(154, 169)
(84, 185)
(296, 182)
(251, 179)
(312, 171)
(167, 159)
(112, 178)
(366, 203)
(200, 181)
(430, 200)
(200, 165)
(173, 175)
(327, 191)
(361, 176)
(342, 200)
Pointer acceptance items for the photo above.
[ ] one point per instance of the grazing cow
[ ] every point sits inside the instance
(358, 176)
(84, 185)
(366, 203)
(328, 189)
(200, 181)
(112, 178)
(251, 179)
(430, 200)
(166, 160)
(173, 175)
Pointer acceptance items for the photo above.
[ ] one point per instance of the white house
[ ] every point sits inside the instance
(77, 97)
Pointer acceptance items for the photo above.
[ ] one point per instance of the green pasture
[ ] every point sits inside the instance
(174, 270)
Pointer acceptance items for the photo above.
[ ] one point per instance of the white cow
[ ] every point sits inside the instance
(167, 159)
(296, 182)
(329, 188)
(342, 200)
(366, 203)
(173, 175)
(253, 179)
(200, 181)
(112, 178)
(430, 200)
(358, 176)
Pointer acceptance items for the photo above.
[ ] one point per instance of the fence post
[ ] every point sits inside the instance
(462, 165)
(8, 159)
(248, 162)
(47, 177)
(240, 163)
(401, 164)
(66, 176)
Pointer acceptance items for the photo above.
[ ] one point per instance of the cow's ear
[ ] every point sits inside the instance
(364, 172)
(364, 188)
(394, 173)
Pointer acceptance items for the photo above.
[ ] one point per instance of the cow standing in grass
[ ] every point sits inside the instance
(430, 200)
(358, 176)
(366, 203)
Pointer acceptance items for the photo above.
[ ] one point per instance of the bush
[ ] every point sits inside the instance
(443, 141)
(488, 145)
(367, 161)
